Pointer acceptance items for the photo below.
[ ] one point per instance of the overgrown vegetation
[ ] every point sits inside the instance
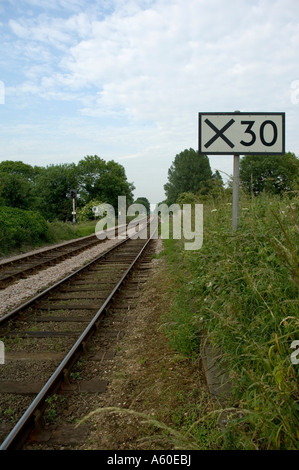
(19, 227)
(22, 230)
(189, 172)
(45, 194)
(274, 174)
(241, 292)
(58, 231)
(45, 189)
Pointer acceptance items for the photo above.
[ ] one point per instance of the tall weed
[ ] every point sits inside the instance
(241, 290)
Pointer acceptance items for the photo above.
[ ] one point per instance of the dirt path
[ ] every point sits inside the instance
(149, 380)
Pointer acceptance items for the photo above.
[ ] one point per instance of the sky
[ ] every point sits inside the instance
(126, 79)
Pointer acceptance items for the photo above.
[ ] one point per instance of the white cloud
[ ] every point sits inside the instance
(50, 32)
(145, 63)
(139, 72)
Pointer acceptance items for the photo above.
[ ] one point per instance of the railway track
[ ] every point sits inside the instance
(49, 335)
(25, 265)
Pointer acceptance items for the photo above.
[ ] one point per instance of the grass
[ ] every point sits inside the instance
(241, 292)
(60, 231)
(55, 232)
(179, 440)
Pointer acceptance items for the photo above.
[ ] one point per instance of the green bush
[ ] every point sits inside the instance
(19, 227)
(86, 213)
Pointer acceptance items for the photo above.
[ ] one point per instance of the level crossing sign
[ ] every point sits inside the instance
(238, 134)
(242, 133)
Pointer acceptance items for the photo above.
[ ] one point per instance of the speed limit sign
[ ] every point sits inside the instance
(242, 133)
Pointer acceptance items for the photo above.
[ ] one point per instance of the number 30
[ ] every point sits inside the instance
(262, 133)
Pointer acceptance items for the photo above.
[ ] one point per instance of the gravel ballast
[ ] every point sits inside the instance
(24, 289)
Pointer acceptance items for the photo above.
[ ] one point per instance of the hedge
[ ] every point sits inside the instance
(19, 227)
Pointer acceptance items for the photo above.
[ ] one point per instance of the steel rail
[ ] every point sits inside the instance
(26, 423)
(8, 316)
(56, 247)
(73, 247)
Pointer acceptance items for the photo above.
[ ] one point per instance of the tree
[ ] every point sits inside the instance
(271, 173)
(145, 202)
(90, 172)
(103, 180)
(45, 189)
(189, 172)
(19, 168)
(17, 181)
(52, 185)
(114, 183)
(188, 198)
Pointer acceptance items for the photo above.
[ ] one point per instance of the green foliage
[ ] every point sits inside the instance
(19, 227)
(145, 202)
(60, 231)
(271, 173)
(85, 228)
(179, 323)
(215, 187)
(17, 184)
(15, 191)
(20, 230)
(52, 185)
(45, 189)
(103, 180)
(188, 198)
(86, 212)
(241, 291)
(189, 172)
(19, 168)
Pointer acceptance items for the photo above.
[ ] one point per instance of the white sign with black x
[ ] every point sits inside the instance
(242, 133)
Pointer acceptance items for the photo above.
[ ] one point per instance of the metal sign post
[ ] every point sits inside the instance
(238, 134)
(73, 195)
(74, 211)
(236, 183)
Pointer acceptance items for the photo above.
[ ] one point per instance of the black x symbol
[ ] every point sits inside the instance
(219, 133)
